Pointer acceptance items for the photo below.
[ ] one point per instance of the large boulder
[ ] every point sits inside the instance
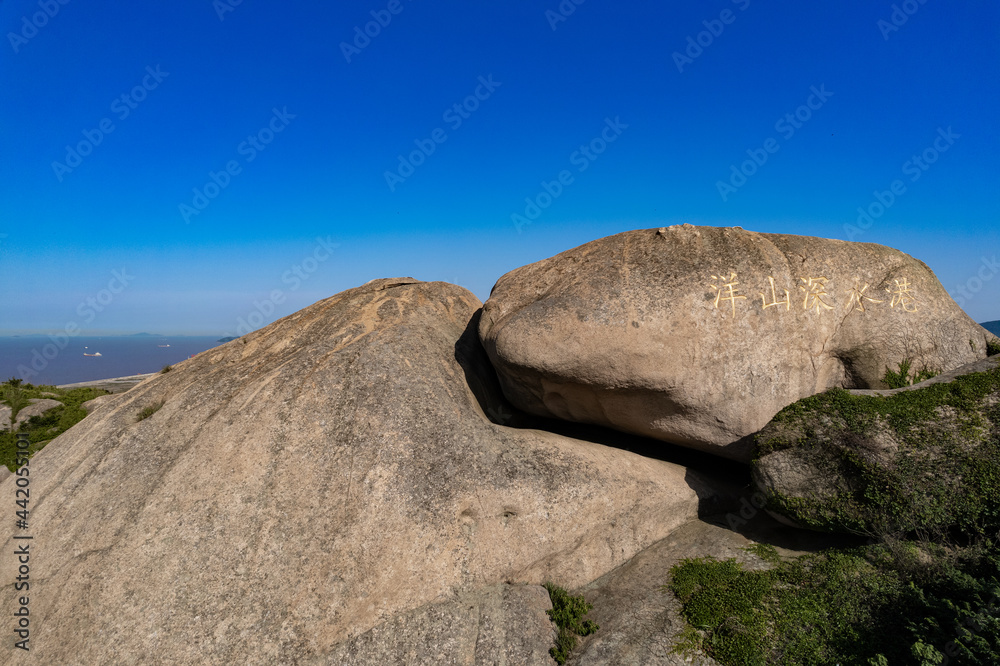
(699, 335)
(293, 491)
(919, 458)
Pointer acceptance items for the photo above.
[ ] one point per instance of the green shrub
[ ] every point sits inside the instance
(902, 377)
(993, 347)
(16, 398)
(166, 369)
(8, 450)
(567, 613)
(898, 379)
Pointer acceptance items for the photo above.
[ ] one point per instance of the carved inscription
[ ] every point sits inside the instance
(816, 291)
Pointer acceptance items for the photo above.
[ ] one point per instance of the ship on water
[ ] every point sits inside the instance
(94, 354)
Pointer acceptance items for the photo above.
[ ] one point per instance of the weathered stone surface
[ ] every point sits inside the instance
(639, 620)
(94, 403)
(880, 462)
(311, 481)
(634, 332)
(502, 625)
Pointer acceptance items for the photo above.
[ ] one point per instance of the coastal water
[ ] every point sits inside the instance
(44, 360)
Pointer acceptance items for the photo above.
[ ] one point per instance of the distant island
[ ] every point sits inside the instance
(144, 335)
(233, 337)
(992, 326)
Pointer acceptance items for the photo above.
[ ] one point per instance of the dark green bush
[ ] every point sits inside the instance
(902, 377)
(16, 398)
(927, 593)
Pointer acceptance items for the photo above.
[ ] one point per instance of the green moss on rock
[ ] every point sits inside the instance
(924, 460)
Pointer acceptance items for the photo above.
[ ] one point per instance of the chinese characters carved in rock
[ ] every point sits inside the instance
(815, 293)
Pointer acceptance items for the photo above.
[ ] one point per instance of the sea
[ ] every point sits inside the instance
(61, 359)
(42, 359)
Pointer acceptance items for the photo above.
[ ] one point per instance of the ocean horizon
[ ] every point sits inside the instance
(55, 359)
(58, 359)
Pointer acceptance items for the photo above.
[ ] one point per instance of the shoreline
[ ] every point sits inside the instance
(114, 384)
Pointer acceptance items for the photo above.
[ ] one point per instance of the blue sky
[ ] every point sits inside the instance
(309, 128)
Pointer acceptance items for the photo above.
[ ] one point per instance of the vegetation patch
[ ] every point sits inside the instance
(992, 347)
(567, 613)
(45, 427)
(919, 471)
(148, 411)
(924, 462)
(166, 369)
(765, 551)
(902, 377)
(894, 603)
(14, 397)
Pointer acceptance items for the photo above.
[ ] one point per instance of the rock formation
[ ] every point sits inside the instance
(353, 484)
(699, 335)
(315, 481)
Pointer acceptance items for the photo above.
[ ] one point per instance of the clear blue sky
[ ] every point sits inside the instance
(888, 93)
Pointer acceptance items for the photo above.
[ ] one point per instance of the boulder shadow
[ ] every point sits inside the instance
(726, 478)
(726, 494)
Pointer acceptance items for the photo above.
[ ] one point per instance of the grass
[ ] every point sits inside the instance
(920, 473)
(148, 411)
(45, 427)
(567, 613)
(901, 603)
(765, 551)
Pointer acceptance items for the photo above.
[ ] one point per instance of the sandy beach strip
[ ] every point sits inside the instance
(115, 385)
